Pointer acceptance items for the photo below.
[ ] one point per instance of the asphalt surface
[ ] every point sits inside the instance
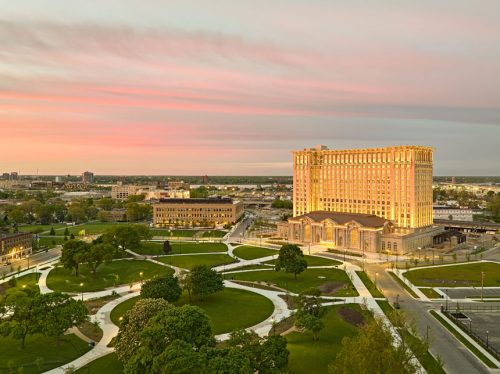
(456, 358)
(35, 259)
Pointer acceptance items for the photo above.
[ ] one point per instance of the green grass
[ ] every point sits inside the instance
(27, 280)
(403, 284)
(228, 310)
(214, 234)
(49, 241)
(369, 284)
(305, 280)
(466, 275)
(108, 275)
(385, 306)
(119, 310)
(430, 293)
(108, 364)
(188, 262)
(248, 252)
(70, 348)
(156, 248)
(464, 341)
(309, 356)
(315, 261)
(252, 267)
(37, 229)
(426, 359)
(175, 233)
(93, 228)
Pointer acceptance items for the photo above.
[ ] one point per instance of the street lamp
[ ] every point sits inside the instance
(81, 286)
(376, 275)
(28, 257)
(241, 235)
(141, 274)
(487, 339)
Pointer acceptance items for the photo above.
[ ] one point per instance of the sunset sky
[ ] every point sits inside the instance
(231, 87)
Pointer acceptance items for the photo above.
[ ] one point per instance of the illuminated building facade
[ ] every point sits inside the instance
(373, 199)
(394, 183)
(15, 245)
(196, 212)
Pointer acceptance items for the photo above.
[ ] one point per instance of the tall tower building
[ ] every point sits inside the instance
(394, 183)
(88, 177)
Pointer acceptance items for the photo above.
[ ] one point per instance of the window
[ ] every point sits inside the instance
(383, 245)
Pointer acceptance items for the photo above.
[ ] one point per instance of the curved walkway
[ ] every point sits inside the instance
(109, 330)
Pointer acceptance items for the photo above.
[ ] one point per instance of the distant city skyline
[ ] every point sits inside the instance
(188, 88)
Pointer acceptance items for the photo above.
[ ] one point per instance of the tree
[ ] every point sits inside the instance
(126, 236)
(227, 361)
(66, 232)
(77, 213)
(310, 311)
(106, 203)
(186, 283)
(59, 313)
(128, 340)
(179, 358)
(52, 231)
(266, 354)
(291, 259)
(167, 248)
(96, 255)
(103, 216)
(17, 215)
(72, 254)
(373, 351)
(21, 315)
(164, 287)
(187, 323)
(205, 281)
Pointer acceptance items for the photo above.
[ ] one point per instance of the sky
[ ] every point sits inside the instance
(231, 87)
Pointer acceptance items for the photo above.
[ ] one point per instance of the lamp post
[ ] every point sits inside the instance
(28, 257)
(141, 274)
(241, 235)
(36, 273)
(81, 286)
(482, 284)
(487, 338)
(376, 275)
(446, 298)
(419, 248)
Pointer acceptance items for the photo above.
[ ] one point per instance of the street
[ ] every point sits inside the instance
(35, 259)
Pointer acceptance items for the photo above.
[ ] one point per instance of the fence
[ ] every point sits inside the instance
(465, 324)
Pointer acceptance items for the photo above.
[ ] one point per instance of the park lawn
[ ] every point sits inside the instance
(174, 233)
(369, 284)
(314, 261)
(430, 293)
(70, 348)
(108, 364)
(156, 248)
(248, 252)
(309, 356)
(37, 229)
(466, 275)
(108, 275)
(339, 282)
(119, 310)
(92, 228)
(228, 310)
(27, 280)
(214, 234)
(189, 261)
(50, 241)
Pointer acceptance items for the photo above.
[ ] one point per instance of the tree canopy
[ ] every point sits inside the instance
(163, 287)
(291, 259)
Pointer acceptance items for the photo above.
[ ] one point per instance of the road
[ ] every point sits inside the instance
(456, 358)
(35, 259)
(240, 229)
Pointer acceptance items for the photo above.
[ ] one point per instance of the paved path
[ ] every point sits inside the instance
(109, 330)
(456, 358)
